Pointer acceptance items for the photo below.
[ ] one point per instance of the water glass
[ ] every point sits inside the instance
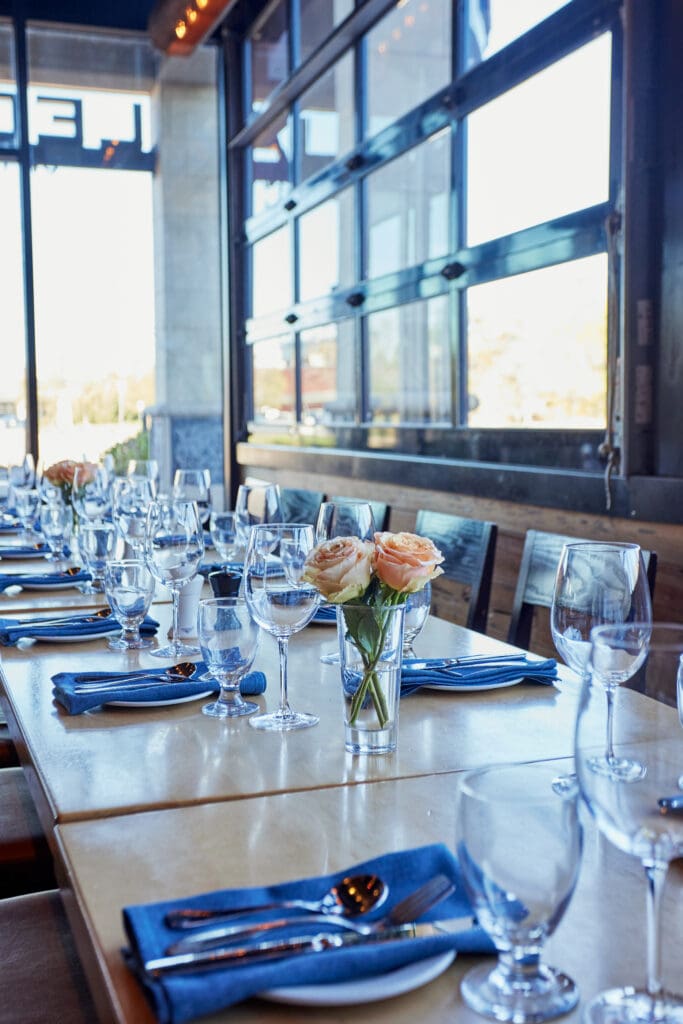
(194, 485)
(131, 497)
(129, 586)
(416, 614)
(26, 503)
(90, 494)
(256, 503)
(56, 520)
(96, 542)
(174, 547)
(146, 468)
(223, 527)
(518, 843)
(228, 639)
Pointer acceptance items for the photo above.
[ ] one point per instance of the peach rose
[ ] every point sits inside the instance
(340, 568)
(406, 562)
(61, 473)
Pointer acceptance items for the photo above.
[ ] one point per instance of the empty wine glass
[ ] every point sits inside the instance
(280, 602)
(129, 586)
(174, 547)
(224, 536)
(256, 503)
(26, 502)
(228, 638)
(56, 520)
(636, 814)
(90, 494)
(415, 616)
(194, 485)
(502, 813)
(23, 474)
(343, 519)
(131, 497)
(96, 543)
(147, 468)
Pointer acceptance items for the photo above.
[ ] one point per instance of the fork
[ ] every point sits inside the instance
(405, 911)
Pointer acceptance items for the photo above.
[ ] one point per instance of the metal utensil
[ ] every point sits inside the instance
(408, 909)
(65, 620)
(475, 659)
(179, 673)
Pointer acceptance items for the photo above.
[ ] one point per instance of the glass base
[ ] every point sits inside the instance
(330, 658)
(371, 741)
(278, 721)
(622, 768)
(486, 991)
(176, 649)
(630, 1006)
(229, 709)
(119, 644)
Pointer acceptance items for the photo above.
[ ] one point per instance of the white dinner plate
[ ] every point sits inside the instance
(364, 990)
(465, 688)
(61, 584)
(76, 638)
(157, 703)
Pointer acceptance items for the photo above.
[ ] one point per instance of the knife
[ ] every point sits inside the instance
(474, 659)
(275, 949)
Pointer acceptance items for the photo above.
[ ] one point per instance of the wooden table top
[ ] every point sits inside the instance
(600, 942)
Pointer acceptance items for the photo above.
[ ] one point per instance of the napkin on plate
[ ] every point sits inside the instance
(272, 569)
(326, 613)
(20, 579)
(182, 996)
(484, 673)
(85, 624)
(23, 550)
(75, 703)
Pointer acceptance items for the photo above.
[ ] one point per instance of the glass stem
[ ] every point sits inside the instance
(282, 643)
(175, 594)
(609, 754)
(656, 875)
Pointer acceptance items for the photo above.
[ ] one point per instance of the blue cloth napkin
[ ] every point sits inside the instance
(24, 550)
(326, 613)
(21, 579)
(178, 997)
(272, 569)
(474, 673)
(13, 630)
(253, 683)
(7, 526)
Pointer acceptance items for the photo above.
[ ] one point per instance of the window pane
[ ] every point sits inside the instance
(328, 367)
(327, 118)
(492, 24)
(13, 377)
(326, 247)
(272, 273)
(318, 18)
(541, 150)
(408, 208)
(273, 364)
(410, 366)
(8, 89)
(269, 43)
(270, 158)
(537, 348)
(409, 59)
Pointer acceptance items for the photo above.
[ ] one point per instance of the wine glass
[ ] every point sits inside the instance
(224, 536)
(56, 520)
(194, 485)
(90, 493)
(343, 519)
(228, 638)
(415, 617)
(596, 584)
(96, 543)
(502, 813)
(636, 814)
(26, 502)
(129, 586)
(280, 602)
(174, 547)
(256, 503)
(131, 497)
(147, 468)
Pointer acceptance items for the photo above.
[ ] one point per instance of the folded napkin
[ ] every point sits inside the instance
(21, 579)
(23, 550)
(272, 569)
(75, 703)
(483, 673)
(85, 624)
(178, 997)
(8, 526)
(326, 613)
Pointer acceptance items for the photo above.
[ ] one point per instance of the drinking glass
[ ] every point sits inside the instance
(343, 519)
(228, 639)
(23, 474)
(223, 527)
(416, 614)
(131, 497)
(596, 584)
(129, 586)
(96, 542)
(518, 841)
(90, 493)
(26, 502)
(636, 814)
(147, 468)
(280, 602)
(5, 487)
(56, 520)
(194, 485)
(174, 547)
(256, 503)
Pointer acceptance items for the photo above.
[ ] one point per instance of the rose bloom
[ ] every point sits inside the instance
(61, 473)
(406, 562)
(340, 568)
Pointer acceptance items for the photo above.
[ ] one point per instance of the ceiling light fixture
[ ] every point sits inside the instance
(177, 27)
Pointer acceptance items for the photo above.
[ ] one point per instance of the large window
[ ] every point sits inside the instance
(434, 246)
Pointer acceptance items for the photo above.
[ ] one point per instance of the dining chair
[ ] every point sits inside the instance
(380, 510)
(8, 752)
(468, 547)
(300, 505)
(43, 980)
(25, 858)
(536, 582)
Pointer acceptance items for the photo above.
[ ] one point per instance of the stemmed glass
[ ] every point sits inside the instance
(56, 520)
(636, 814)
(194, 485)
(129, 586)
(343, 519)
(26, 502)
(254, 504)
(224, 536)
(96, 543)
(518, 841)
(147, 468)
(90, 492)
(228, 638)
(597, 584)
(280, 602)
(174, 547)
(131, 497)
(415, 617)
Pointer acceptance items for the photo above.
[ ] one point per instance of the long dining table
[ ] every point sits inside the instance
(152, 803)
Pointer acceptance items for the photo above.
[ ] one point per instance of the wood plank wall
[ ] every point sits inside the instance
(513, 521)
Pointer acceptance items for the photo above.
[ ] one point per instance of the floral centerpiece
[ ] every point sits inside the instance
(61, 475)
(368, 579)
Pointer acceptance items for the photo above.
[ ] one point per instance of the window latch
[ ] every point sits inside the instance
(291, 318)
(290, 204)
(354, 162)
(453, 270)
(355, 299)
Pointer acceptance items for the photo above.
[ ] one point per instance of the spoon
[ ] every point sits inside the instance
(179, 673)
(103, 613)
(354, 895)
